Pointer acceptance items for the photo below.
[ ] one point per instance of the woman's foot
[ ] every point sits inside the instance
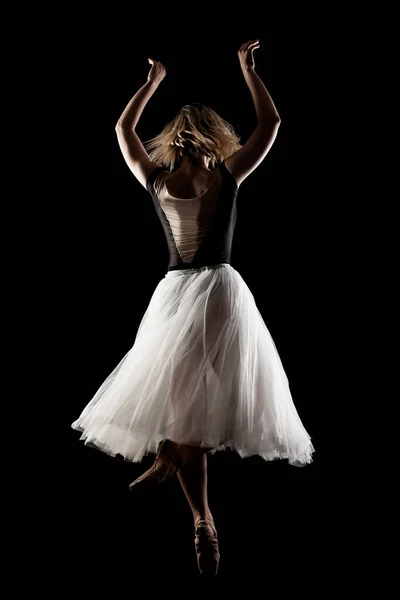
(166, 464)
(206, 545)
(169, 459)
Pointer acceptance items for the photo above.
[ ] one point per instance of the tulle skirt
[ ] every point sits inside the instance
(204, 371)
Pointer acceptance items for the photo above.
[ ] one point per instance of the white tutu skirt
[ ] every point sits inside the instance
(203, 371)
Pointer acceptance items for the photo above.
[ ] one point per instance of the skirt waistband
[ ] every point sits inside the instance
(197, 269)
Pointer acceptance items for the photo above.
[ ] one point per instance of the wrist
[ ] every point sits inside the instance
(153, 83)
(248, 69)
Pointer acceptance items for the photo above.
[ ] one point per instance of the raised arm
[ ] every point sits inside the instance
(132, 148)
(247, 158)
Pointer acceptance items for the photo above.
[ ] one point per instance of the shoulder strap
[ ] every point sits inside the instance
(223, 168)
(227, 174)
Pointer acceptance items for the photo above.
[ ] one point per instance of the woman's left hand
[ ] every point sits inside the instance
(157, 72)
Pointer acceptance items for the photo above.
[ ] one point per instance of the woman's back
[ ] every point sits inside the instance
(189, 183)
(198, 228)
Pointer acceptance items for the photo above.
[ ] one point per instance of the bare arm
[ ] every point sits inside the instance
(132, 148)
(245, 160)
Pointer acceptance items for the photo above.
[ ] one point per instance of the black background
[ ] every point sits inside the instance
(273, 520)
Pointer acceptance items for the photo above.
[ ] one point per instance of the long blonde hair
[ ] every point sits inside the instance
(196, 131)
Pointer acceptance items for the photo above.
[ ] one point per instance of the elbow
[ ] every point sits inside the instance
(271, 120)
(276, 120)
(121, 127)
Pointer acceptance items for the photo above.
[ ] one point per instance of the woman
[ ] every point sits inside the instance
(203, 373)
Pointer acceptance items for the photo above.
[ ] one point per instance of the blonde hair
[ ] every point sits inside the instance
(196, 131)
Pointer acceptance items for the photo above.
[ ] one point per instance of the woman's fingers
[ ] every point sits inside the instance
(243, 46)
(253, 44)
(247, 45)
(155, 62)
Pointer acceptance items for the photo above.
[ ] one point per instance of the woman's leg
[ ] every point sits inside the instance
(193, 479)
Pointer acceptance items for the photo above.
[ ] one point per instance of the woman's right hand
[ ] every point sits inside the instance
(157, 72)
(245, 53)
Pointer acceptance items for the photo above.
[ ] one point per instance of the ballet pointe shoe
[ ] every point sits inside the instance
(206, 545)
(166, 463)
